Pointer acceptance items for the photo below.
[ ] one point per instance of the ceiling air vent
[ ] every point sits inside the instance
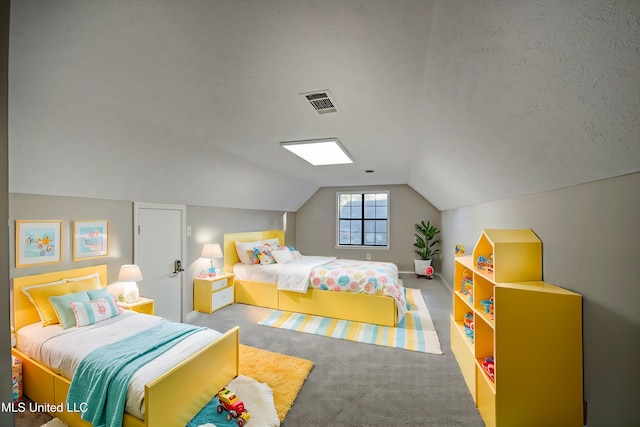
(321, 101)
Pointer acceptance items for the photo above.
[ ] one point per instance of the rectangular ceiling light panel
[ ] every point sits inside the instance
(319, 152)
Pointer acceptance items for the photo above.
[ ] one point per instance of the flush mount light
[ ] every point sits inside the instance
(319, 151)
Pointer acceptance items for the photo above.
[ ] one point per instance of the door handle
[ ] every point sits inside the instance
(177, 267)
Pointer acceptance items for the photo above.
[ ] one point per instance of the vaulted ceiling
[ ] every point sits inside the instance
(187, 101)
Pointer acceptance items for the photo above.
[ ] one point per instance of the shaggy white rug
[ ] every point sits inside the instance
(54, 423)
(257, 398)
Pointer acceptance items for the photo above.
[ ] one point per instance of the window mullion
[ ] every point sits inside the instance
(362, 221)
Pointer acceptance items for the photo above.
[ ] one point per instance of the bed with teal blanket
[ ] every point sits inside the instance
(180, 368)
(100, 382)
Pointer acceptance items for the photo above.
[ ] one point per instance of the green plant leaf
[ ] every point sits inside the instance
(425, 233)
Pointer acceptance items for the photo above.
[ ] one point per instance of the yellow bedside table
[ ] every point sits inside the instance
(143, 305)
(213, 293)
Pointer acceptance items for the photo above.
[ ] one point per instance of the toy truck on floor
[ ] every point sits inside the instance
(235, 407)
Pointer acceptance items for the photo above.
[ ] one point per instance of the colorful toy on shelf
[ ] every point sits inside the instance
(482, 262)
(459, 251)
(230, 402)
(490, 368)
(469, 326)
(490, 264)
(467, 282)
(488, 306)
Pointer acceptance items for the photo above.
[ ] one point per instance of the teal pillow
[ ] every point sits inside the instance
(62, 305)
(103, 293)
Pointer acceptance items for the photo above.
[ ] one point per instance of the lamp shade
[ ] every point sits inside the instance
(211, 250)
(130, 273)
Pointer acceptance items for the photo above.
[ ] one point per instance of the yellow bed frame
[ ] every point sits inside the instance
(375, 309)
(172, 399)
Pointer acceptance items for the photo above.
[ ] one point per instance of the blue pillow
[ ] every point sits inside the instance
(103, 293)
(62, 305)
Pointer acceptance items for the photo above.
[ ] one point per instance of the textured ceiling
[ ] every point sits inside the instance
(186, 102)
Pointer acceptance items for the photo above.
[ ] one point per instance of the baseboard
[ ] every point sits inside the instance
(447, 284)
(189, 317)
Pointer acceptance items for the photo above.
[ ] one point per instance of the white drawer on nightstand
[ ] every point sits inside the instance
(221, 298)
(219, 284)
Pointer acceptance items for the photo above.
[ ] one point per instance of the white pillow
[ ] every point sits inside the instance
(242, 248)
(274, 243)
(95, 276)
(282, 256)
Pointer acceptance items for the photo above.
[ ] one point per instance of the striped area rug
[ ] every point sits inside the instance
(415, 332)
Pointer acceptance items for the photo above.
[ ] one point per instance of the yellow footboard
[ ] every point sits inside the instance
(174, 398)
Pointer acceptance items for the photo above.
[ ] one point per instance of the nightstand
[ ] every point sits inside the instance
(213, 293)
(143, 305)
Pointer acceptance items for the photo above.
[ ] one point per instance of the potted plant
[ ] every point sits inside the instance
(425, 246)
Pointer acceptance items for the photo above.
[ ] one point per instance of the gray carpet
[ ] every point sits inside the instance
(354, 384)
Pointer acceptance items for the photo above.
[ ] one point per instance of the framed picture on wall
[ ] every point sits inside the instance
(90, 239)
(38, 242)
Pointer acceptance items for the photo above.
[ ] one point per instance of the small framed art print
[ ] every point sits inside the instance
(90, 239)
(38, 242)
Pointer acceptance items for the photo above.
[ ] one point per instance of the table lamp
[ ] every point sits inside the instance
(129, 275)
(211, 251)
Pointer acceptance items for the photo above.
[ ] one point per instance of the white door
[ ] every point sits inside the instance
(159, 241)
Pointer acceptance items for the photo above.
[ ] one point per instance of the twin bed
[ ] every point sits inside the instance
(262, 285)
(167, 391)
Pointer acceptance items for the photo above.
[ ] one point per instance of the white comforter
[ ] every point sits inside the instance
(63, 349)
(294, 276)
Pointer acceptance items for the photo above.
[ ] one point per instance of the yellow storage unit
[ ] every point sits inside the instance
(532, 332)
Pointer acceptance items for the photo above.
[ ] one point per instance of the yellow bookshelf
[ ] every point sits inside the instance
(534, 334)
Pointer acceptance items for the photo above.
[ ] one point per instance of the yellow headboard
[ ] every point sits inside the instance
(24, 312)
(230, 254)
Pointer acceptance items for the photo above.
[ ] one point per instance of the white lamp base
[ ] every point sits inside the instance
(131, 292)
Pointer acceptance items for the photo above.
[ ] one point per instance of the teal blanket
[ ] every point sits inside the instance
(102, 377)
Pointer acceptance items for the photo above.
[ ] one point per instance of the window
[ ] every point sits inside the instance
(363, 219)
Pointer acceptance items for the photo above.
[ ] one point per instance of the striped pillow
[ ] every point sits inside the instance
(94, 311)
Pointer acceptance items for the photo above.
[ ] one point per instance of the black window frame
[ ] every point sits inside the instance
(362, 220)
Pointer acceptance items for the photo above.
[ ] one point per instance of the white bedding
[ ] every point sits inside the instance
(63, 349)
(257, 272)
(292, 276)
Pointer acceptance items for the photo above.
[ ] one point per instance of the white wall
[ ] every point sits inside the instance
(590, 238)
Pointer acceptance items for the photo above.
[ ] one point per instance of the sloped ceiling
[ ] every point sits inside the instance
(187, 101)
